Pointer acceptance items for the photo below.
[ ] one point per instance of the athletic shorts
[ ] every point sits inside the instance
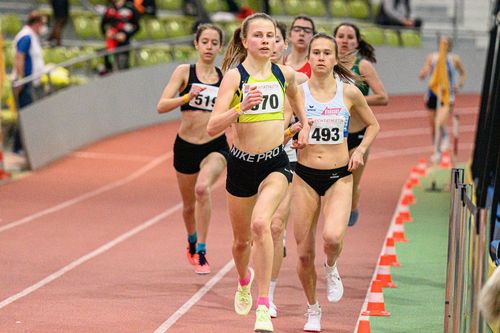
(321, 180)
(431, 101)
(354, 139)
(188, 156)
(246, 171)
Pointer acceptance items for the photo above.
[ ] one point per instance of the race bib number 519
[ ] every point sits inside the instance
(327, 130)
(205, 100)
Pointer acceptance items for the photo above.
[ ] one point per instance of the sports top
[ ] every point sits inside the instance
(205, 100)
(273, 95)
(363, 86)
(332, 115)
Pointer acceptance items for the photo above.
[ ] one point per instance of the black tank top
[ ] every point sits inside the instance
(206, 99)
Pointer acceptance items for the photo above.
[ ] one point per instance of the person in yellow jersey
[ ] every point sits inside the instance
(323, 181)
(199, 158)
(251, 100)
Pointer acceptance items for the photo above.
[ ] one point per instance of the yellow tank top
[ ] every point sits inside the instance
(273, 94)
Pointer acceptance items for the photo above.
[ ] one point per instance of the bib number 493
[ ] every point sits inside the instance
(325, 134)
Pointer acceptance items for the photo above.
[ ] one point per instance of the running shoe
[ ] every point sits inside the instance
(353, 218)
(191, 253)
(243, 297)
(313, 315)
(445, 140)
(334, 287)
(273, 309)
(263, 321)
(201, 267)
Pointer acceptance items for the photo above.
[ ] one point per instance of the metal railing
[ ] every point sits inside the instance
(467, 259)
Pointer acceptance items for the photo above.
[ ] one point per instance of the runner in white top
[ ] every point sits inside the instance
(323, 182)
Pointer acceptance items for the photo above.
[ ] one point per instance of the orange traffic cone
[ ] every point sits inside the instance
(422, 167)
(364, 325)
(408, 197)
(384, 272)
(390, 252)
(376, 305)
(414, 180)
(398, 231)
(404, 213)
(445, 160)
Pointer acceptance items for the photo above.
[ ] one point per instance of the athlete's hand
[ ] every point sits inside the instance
(195, 91)
(356, 160)
(253, 98)
(303, 136)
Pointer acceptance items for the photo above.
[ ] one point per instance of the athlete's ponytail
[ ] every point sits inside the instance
(236, 52)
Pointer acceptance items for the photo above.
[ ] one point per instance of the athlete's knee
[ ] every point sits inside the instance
(241, 244)
(260, 226)
(306, 258)
(333, 239)
(201, 190)
(276, 228)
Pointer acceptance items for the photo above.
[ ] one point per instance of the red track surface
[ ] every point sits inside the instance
(95, 242)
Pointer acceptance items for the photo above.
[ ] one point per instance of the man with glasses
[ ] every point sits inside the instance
(301, 33)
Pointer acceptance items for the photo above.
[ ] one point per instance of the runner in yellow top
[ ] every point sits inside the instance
(251, 100)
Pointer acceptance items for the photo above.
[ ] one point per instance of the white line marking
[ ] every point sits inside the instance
(411, 151)
(91, 255)
(90, 194)
(418, 131)
(108, 156)
(195, 298)
(421, 113)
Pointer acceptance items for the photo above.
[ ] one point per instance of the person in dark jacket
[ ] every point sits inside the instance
(396, 13)
(60, 9)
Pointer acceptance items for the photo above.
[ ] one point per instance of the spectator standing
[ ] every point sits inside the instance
(28, 60)
(60, 10)
(396, 13)
(119, 23)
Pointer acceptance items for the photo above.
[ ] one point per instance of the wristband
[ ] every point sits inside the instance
(289, 133)
(237, 108)
(185, 98)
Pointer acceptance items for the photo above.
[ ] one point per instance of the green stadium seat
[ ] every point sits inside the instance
(155, 29)
(11, 24)
(87, 27)
(276, 7)
(314, 8)
(410, 38)
(373, 35)
(359, 9)
(338, 8)
(392, 37)
(169, 4)
(212, 6)
(175, 28)
(294, 7)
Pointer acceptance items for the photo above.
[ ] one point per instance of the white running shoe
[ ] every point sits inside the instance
(334, 287)
(263, 321)
(273, 309)
(313, 318)
(243, 297)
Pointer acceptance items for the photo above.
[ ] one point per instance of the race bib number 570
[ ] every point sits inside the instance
(327, 130)
(272, 97)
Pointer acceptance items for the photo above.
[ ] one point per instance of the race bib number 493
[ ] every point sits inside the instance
(327, 130)
(205, 100)
(272, 97)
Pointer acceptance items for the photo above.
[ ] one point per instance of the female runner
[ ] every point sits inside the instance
(324, 167)
(350, 42)
(199, 158)
(251, 99)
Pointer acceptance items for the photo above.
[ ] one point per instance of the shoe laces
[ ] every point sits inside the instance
(192, 248)
(244, 294)
(262, 313)
(202, 260)
(312, 312)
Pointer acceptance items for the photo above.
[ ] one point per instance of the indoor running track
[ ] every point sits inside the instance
(95, 242)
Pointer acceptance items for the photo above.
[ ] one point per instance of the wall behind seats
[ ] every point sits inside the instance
(75, 117)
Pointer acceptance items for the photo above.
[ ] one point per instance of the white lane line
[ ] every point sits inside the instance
(90, 194)
(412, 151)
(421, 113)
(123, 237)
(112, 157)
(195, 298)
(419, 131)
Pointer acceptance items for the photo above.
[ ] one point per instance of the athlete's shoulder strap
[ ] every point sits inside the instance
(278, 74)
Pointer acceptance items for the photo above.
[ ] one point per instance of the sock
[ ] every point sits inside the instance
(272, 287)
(263, 301)
(245, 281)
(314, 306)
(328, 266)
(201, 247)
(193, 238)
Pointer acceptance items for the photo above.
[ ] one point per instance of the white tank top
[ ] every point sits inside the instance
(333, 115)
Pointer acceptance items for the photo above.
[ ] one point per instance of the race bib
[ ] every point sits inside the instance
(272, 97)
(206, 99)
(327, 130)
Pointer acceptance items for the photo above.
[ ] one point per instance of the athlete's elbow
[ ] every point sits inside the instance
(211, 130)
(160, 108)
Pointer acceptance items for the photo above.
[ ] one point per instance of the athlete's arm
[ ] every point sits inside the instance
(426, 69)
(296, 98)
(222, 116)
(460, 70)
(361, 108)
(177, 82)
(379, 95)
